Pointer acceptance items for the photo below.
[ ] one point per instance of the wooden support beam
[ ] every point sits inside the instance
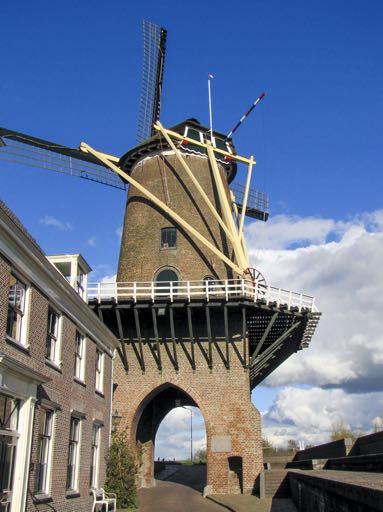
(244, 336)
(178, 136)
(190, 229)
(186, 352)
(245, 197)
(227, 334)
(173, 335)
(141, 359)
(264, 337)
(170, 353)
(191, 335)
(208, 328)
(269, 352)
(189, 172)
(236, 214)
(226, 209)
(124, 362)
(122, 339)
(155, 330)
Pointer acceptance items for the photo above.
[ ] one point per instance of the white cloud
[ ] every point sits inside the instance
(119, 231)
(346, 277)
(173, 437)
(92, 241)
(103, 272)
(340, 262)
(309, 414)
(48, 220)
(339, 377)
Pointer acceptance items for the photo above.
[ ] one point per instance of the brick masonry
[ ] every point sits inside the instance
(141, 256)
(222, 395)
(66, 392)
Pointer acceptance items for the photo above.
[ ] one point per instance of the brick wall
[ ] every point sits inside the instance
(64, 391)
(223, 397)
(140, 255)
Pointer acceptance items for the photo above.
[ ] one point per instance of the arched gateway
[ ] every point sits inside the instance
(195, 325)
(222, 415)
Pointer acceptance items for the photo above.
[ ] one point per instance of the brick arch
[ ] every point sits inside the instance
(232, 423)
(195, 400)
(148, 413)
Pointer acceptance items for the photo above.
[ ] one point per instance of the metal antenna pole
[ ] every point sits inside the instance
(245, 115)
(210, 110)
(191, 431)
(191, 436)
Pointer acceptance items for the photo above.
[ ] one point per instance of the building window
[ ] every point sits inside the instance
(16, 309)
(79, 367)
(99, 371)
(45, 451)
(52, 348)
(166, 276)
(73, 454)
(168, 238)
(95, 455)
(9, 413)
(80, 283)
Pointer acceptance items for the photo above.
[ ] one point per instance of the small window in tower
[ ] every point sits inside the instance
(168, 238)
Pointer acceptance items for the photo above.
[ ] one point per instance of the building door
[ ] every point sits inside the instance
(7, 463)
(9, 416)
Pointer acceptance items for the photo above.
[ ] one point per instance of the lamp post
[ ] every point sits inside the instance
(191, 432)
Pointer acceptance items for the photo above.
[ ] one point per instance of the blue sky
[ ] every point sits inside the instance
(71, 72)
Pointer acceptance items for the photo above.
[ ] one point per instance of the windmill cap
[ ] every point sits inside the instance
(156, 144)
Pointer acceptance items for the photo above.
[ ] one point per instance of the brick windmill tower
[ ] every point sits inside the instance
(196, 325)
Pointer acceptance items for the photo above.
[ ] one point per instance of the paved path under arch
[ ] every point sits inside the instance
(181, 492)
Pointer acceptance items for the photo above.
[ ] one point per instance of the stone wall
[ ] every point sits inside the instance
(330, 450)
(368, 445)
(330, 491)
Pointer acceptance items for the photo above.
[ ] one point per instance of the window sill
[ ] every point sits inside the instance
(42, 498)
(53, 365)
(168, 248)
(72, 494)
(18, 344)
(79, 381)
(100, 393)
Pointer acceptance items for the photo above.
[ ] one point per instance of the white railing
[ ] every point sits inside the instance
(209, 290)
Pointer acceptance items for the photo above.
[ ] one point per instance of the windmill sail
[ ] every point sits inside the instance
(27, 150)
(257, 203)
(152, 77)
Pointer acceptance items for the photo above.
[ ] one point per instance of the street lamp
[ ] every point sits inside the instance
(191, 432)
(116, 419)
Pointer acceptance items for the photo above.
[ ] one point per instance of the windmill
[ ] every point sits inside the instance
(86, 163)
(189, 312)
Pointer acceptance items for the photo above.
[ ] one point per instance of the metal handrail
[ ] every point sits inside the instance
(226, 289)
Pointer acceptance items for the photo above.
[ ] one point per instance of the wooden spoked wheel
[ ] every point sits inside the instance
(256, 276)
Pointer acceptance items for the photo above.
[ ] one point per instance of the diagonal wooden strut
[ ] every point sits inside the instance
(180, 137)
(269, 352)
(226, 210)
(189, 172)
(245, 197)
(264, 336)
(238, 269)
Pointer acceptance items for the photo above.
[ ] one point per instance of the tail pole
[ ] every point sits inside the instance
(245, 115)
